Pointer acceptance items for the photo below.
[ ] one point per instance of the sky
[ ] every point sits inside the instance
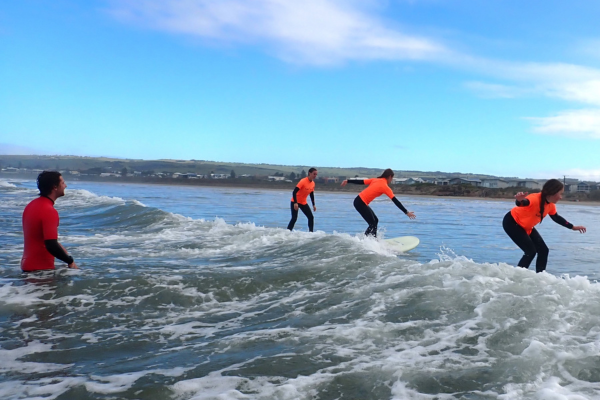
(500, 87)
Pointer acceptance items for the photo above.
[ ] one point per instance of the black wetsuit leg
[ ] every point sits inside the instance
(306, 210)
(368, 215)
(542, 251)
(530, 244)
(294, 217)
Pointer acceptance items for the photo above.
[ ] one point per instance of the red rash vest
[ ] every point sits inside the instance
(40, 223)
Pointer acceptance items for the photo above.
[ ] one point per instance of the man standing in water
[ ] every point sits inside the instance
(40, 226)
(305, 187)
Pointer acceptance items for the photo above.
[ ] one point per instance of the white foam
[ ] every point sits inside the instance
(10, 363)
(6, 184)
(85, 198)
(41, 389)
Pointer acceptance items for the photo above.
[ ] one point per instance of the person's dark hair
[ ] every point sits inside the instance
(387, 173)
(310, 171)
(47, 180)
(550, 188)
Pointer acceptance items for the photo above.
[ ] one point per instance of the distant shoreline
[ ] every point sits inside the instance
(428, 191)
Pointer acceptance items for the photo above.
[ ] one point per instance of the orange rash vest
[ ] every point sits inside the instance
(377, 187)
(529, 216)
(305, 187)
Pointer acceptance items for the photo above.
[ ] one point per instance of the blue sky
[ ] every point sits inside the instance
(502, 87)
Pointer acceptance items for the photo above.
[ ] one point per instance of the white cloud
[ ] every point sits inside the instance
(573, 173)
(559, 80)
(325, 32)
(575, 123)
(583, 174)
(585, 91)
(495, 90)
(13, 149)
(589, 47)
(306, 32)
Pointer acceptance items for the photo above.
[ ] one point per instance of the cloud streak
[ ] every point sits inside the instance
(333, 32)
(317, 32)
(13, 149)
(583, 124)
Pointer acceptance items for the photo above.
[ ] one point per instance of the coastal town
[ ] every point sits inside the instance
(196, 172)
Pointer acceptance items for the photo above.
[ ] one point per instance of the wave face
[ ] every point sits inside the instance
(197, 293)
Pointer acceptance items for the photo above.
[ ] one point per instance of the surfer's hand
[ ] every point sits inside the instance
(73, 265)
(521, 196)
(344, 182)
(411, 215)
(296, 206)
(581, 229)
(315, 208)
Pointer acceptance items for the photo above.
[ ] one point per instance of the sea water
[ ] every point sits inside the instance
(201, 293)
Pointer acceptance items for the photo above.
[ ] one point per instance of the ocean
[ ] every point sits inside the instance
(201, 293)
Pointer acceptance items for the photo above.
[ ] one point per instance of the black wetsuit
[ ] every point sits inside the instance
(305, 209)
(57, 251)
(533, 243)
(367, 212)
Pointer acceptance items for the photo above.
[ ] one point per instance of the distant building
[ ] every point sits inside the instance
(276, 178)
(331, 179)
(586, 187)
(525, 183)
(407, 181)
(495, 183)
(571, 185)
(220, 176)
(465, 181)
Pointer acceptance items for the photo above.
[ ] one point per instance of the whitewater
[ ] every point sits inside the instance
(201, 293)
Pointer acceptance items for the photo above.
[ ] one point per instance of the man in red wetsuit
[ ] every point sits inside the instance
(40, 226)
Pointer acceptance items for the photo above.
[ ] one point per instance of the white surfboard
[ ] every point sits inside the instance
(402, 243)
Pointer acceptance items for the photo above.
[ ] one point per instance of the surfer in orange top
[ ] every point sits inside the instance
(377, 187)
(303, 189)
(531, 209)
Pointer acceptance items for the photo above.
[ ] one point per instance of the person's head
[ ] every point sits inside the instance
(552, 191)
(51, 183)
(387, 174)
(312, 174)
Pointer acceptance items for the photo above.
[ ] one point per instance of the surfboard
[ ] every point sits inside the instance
(402, 243)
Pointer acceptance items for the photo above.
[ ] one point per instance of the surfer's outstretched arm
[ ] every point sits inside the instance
(410, 214)
(355, 181)
(563, 222)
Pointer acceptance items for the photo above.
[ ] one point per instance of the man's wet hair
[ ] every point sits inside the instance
(47, 180)
(310, 171)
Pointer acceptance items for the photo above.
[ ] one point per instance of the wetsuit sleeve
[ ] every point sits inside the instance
(296, 190)
(522, 203)
(561, 221)
(399, 205)
(57, 251)
(356, 181)
(312, 197)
